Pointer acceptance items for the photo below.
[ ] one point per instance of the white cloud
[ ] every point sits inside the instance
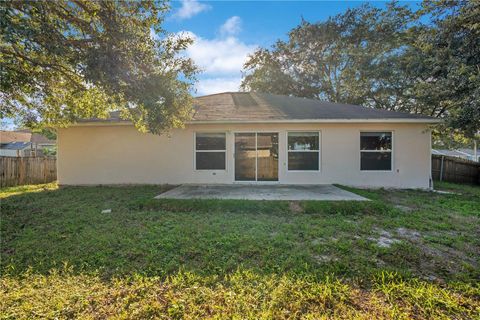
(219, 56)
(221, 59)
(216, 85)
(190, 8)
(232, 26)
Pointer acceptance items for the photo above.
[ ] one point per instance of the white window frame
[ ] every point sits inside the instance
(318, 151)
(195, 150)
(389, 150)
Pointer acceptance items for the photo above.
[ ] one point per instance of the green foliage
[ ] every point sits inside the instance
(65, 60)
(50, 151)
(388, 59)
(353, 57)
(447, 55)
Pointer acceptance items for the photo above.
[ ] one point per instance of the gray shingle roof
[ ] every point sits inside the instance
(15, 145)
(265, 107)
(252, 106)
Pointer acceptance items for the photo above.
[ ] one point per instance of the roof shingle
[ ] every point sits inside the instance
(252, 106)
(258, 107)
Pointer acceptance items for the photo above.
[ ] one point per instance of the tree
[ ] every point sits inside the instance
(65, 60)
(353, 57)
(421, 62)
(448, 80)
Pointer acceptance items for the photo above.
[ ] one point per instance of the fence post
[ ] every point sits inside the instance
(441, 168)
(20, 171)
(44, 170)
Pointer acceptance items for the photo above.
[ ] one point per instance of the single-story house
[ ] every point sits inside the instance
(15, 149)
(254, 138)
(23, 143)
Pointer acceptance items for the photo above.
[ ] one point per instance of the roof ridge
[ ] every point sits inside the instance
(219, 93)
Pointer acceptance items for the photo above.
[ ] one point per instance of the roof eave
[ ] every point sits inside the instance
(388, 120)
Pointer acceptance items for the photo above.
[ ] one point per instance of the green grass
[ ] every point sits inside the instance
(61, 257)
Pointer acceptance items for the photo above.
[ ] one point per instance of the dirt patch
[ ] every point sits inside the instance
(384, 242)
(436, 260)
(399, 202)
(318, 241)
(295, 207)
(324, 258)
(384, 239)
(404, 208)
(409, 234)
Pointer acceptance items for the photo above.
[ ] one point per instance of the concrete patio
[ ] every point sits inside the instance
(261, 192)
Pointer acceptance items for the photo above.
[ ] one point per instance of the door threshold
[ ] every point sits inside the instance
(256, 182)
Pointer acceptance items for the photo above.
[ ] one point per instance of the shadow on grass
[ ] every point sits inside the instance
(63, 258)
(44, 229)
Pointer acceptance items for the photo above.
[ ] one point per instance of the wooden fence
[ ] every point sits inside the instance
(452, 169)
(16, 171)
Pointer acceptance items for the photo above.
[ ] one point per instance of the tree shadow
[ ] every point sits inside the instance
(141, 235)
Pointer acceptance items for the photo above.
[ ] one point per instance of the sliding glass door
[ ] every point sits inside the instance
(245, 157)
(267, 156)
(256, 156)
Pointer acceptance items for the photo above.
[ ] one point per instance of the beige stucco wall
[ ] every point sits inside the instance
(119, 154)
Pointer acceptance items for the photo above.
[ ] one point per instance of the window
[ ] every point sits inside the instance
(210, 151)
(376, 151)
(303, 151)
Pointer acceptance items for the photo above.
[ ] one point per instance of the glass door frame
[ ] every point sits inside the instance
(256, 181)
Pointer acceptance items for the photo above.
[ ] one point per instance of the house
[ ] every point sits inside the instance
(23, 143)
(254, 138)
(15, 149)
(468, 154)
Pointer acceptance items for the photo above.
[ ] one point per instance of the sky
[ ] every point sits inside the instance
(226, 32)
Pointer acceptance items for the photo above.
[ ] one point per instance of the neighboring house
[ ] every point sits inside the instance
(254, 138)
(15, 149)
(23, 143)
(467, 154)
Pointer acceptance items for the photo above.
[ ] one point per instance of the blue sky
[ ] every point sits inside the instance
(225, 32)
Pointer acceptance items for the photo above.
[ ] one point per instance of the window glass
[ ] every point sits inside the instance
(303, 141)
(303, 161)
(210, 160)
(210, 151)
(376, 161)
(210, 141)
(375, 140)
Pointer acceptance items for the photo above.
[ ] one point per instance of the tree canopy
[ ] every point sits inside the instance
(426, 61)
(65, 60)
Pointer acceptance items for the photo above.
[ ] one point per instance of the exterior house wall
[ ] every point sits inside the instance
(119, 154)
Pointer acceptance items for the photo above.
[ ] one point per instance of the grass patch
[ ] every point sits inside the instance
(404, 254)
(242, 294)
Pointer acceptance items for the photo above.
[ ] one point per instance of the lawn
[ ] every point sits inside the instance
(404, 254)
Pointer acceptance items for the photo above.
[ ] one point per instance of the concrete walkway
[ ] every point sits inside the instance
(260, 192)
